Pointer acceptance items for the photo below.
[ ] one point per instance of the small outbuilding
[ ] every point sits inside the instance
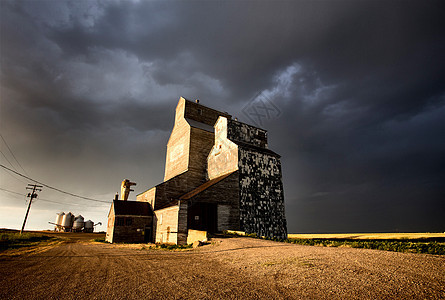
(130, 222)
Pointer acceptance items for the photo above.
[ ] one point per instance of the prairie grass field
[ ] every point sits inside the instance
(12, 239)
(14, 243)
(374, 236)
(428, 243)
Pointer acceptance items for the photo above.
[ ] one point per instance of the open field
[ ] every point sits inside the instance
(228, 268)
(358, 236)
(13, 243)
(374, 236)
(430, 243)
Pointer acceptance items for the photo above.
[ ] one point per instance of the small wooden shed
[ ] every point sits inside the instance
(130, 222)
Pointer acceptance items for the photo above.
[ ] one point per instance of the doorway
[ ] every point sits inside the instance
(202, 216)
(148, 234)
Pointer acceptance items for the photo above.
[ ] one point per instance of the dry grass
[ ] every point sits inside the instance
(431, 243)
(12, 243)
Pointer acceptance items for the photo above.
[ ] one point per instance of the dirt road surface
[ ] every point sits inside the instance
(229, 268)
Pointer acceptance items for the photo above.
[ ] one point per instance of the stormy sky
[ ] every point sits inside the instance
(355, 92)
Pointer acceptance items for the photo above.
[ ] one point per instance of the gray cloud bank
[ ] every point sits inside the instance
(88, 91)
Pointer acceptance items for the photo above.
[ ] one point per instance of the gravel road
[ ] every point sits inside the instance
(229, 268)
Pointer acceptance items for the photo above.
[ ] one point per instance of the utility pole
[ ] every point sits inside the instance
(32, 195)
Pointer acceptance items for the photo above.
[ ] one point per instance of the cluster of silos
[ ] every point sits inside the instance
(70, 223)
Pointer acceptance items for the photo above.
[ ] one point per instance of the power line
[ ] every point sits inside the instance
(12, 192)
(7, 160)
(53, 188)
(76, 204)
(46, 200)
(12, 167)
(12, 154)
(40, 199)
(16, 178)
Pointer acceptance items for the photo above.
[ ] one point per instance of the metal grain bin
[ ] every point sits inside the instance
(58, 222)
(78, 223)
(59, 218)
(67, 221)
(89, 226)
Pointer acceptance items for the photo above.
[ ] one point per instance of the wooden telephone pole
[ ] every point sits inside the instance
(32, 195)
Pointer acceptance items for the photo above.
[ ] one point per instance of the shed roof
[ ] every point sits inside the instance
(204, 186)
(132, 208)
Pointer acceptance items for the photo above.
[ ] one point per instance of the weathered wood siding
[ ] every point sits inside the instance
(223, 157)
(244, 133)
(187, 151)
(110, 225)
(170, 225)
(261, 194)
(147, 196)
(178, 146)
(201, 113)
(182, 223)
(201, 143)
(228, 217)
(133, 233)
(174, 188)
(226, 195)
(188, 147)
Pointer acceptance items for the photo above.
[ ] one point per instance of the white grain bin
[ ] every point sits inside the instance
(58, 222)
(59, 218)
(89, 226)
(78, 223)
(67, 221)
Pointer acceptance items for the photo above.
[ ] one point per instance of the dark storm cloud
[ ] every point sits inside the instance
(359, 85)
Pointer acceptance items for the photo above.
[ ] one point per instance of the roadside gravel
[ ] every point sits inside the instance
(228, 268)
